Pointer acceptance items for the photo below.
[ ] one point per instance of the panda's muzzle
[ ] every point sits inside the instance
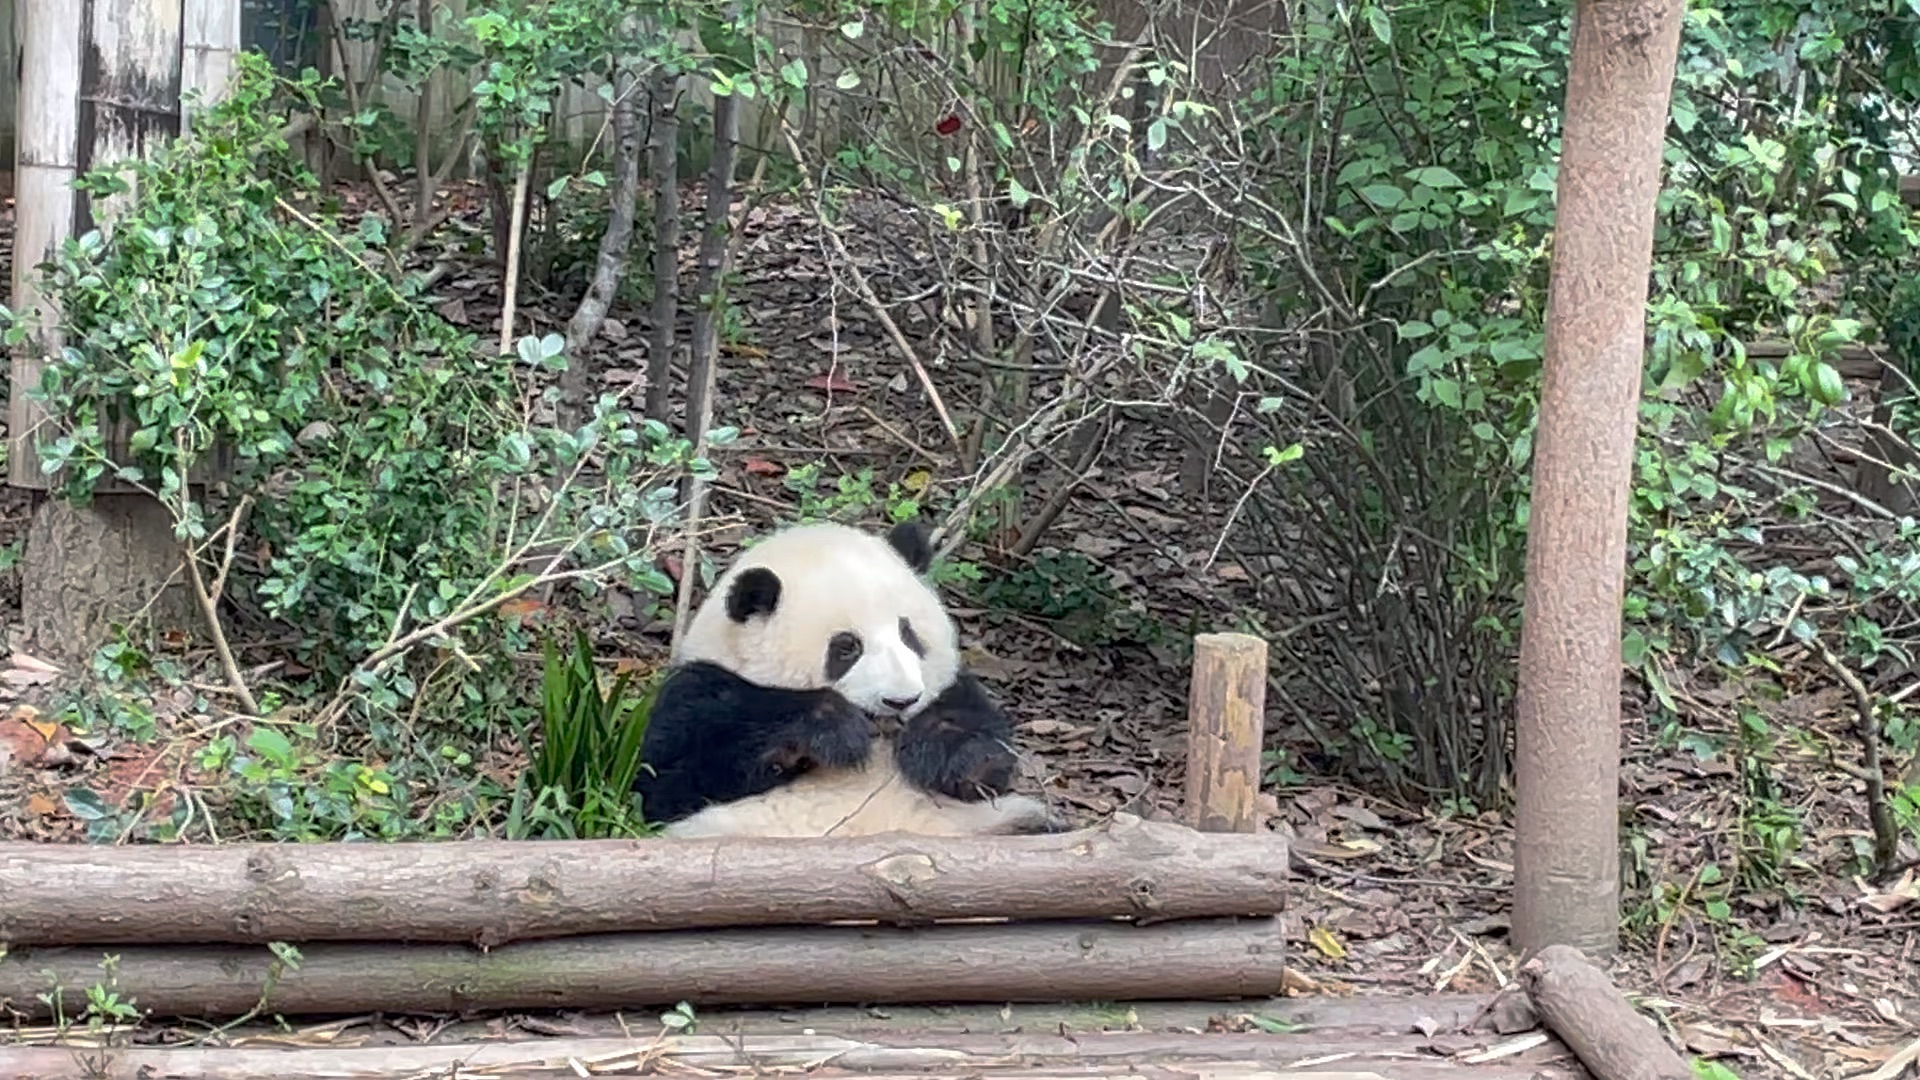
(900, 704)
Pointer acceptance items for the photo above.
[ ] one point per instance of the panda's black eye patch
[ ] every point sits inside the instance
(842, 653)
(912, 639)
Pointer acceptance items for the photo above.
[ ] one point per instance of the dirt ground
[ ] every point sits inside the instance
(1812, 975)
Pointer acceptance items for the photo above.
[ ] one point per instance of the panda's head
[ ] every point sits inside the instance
(827, 605)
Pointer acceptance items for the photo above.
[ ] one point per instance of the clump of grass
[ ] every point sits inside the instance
(582, 774)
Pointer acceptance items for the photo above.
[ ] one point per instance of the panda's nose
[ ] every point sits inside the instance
(899, 704)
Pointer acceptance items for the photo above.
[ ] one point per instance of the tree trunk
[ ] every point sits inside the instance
(1038, 961)
(89, 569)
(703, 353)
(1566, 848)
(666, 243)
(493, 892)
(710, 289)
(611, 266)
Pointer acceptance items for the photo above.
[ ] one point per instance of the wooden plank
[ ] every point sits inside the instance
(129, 89)
(1121, 1056)
(47, 155)
(209, 38)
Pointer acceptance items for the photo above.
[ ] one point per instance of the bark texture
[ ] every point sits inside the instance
(1580, 1004)
(89, 569)
(610, 265)
(492, 892)
(1039, 961)
(1226, 725)
(665, 166)
(1566, 850)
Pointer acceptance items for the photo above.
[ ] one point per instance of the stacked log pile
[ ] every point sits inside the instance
(1129, 909)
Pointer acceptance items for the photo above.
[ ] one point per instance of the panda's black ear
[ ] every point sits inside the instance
(754, 592)
(914, 542)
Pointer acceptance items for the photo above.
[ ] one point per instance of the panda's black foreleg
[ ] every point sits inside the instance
(960, 746)
(714, 737)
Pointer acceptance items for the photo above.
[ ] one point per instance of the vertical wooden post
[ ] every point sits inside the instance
(1226, 724)
(46, 160)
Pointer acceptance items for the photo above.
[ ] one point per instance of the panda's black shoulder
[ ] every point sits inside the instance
(715, 737)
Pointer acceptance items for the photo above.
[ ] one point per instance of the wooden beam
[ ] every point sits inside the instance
(978, 962)
(493, 892)
(1035, 1056)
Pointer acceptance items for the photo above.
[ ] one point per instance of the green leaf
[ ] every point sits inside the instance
(85, 805)
(1437, 177)
(1633, 648)
(847, 80)
(1278, 457)
(270, 744)
(1380, 24)
(1384, 196)
(1017, 194)
(1827, 387)
(852, 30)
(1157, 134)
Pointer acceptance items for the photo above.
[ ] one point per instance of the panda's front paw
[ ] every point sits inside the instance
(833, 732)
(839, 733)
(948, 759)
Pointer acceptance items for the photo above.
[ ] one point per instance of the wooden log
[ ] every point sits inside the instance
(1226, 723)
(492, 892)
(1040, 961)
(1119, 1056)
(1580, 1004)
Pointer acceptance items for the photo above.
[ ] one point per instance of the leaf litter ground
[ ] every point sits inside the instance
(1802, 970)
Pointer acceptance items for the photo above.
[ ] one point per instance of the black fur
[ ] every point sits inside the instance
(914, 542)
(754, 592)
(714, 737)
(960, 746)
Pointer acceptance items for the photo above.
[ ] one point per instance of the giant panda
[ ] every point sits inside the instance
(766, 722)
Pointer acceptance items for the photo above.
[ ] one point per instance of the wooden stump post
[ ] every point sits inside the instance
(1226, 712)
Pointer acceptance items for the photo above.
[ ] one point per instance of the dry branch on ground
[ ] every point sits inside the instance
(1581, 1005)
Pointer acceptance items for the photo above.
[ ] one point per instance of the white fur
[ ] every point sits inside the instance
(859, 802)
(834, 578)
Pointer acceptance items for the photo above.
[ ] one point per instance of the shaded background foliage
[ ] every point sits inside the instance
(1319, 273)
